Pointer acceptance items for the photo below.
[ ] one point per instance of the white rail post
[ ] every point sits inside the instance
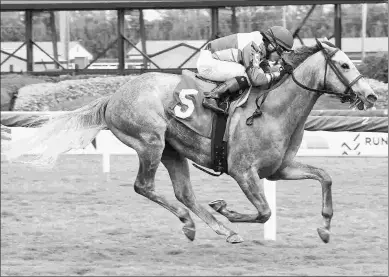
(271, 225)
(106, 162)
(104, 148)
(363, 32)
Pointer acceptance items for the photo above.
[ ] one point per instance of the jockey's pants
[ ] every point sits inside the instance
(217, 70)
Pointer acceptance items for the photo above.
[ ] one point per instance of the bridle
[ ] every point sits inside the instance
(348, 94)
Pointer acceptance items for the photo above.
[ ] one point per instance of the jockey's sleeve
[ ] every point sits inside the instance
(229, 55)
(255, 68)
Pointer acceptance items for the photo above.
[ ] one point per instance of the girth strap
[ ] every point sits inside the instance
(219, 148)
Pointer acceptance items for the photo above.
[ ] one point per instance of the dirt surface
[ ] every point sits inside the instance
(74, 220)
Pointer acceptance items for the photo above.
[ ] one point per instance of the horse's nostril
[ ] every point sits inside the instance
(372, 98)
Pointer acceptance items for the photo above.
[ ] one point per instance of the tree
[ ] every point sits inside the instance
(97, 29)
(12, 26)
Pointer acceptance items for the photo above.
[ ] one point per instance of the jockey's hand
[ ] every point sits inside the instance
(276, 68)
(276, 76)
(287, 68)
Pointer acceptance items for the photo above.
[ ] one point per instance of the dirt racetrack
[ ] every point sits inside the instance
(72, 221)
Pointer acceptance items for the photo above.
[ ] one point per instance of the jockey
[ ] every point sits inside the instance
(241, 60)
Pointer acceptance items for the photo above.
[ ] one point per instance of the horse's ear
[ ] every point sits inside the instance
(318, 43)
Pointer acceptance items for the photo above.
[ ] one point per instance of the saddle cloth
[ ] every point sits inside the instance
(187, 107)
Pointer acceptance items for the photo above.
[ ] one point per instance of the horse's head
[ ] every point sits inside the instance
(342, 78)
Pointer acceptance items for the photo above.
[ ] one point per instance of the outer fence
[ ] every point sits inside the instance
(352, 134)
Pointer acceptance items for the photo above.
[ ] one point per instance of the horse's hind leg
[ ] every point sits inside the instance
(178, 169)
(149, 149)
(299, 171)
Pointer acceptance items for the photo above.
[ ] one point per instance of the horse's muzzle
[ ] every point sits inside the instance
(372, 98)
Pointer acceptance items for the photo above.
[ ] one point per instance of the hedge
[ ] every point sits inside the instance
(375, 67)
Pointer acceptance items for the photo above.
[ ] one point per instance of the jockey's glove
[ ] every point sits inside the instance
(287, 68)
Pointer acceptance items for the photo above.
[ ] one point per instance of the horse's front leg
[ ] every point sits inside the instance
(178, 169)
(252, 187)
(299, 171)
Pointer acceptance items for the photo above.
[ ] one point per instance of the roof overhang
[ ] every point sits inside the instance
(19, 5)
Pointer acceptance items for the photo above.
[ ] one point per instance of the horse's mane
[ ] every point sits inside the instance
(300, 54)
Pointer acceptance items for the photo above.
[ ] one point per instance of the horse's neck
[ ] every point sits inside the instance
(290, 100)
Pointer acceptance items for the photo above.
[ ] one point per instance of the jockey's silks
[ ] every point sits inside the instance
(247, 49)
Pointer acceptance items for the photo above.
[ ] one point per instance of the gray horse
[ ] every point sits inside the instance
(137, 115)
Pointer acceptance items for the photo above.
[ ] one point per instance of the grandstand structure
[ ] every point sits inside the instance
(31, 6)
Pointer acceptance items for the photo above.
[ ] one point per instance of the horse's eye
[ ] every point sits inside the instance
(345, 66)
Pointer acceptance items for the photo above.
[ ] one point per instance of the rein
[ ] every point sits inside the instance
(288, 69)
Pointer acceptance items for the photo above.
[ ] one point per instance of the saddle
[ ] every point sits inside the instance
(187, 108)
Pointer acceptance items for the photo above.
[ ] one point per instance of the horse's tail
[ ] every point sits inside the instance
(61, 133)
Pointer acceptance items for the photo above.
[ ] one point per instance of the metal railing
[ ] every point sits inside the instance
(122, 39)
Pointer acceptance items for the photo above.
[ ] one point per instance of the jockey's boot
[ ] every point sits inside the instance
(231, 86)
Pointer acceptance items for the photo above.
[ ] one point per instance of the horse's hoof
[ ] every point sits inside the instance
(190, 233)
(234, 238)
(218, 205)
(324, 234)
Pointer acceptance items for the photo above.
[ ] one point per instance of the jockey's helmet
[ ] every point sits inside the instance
(280, 36)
